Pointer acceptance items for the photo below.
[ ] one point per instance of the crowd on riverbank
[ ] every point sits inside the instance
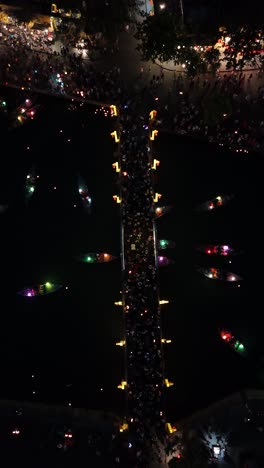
(19, 36)
(189, 108)
(224, 110)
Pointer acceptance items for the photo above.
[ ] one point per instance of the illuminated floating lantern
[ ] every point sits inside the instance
(162, 210)
(96, 258)
(40, 290)
(218, 249)
(30, 184)
(219, 274)
(233, 342)
(84, 194)
(218, 201)
(165, 244)
(164, 261)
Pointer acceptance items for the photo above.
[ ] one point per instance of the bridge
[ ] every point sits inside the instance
(144, 381)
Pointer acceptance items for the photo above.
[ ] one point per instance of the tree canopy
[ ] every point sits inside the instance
(164, 38)
(243, 48)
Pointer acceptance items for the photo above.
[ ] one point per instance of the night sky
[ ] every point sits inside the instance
(68, 337)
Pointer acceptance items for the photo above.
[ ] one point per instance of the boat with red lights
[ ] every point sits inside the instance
(218, 274)
(162, 210)
(218, 201)
(96, 258)
(228, 337)
(217, 249)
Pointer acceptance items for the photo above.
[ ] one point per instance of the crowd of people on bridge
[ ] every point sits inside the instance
(140, 282)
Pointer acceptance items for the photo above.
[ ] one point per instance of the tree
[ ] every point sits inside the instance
(194, 62)
(212, 59)
(161, 37)
(164, 38)
(243, 47)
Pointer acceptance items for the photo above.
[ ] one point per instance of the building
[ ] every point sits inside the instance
(231, 431)
(34, 434)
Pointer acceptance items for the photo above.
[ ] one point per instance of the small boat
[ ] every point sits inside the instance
(218, 201)
(219, 274)
(30, 184)
(26, 105)
(162, 210)
(164, 261)
(216, 249)
(235, 344)
(25, 112)
(84, 194)
(96, 258)
(40, 290)
(3, 105)
(165, 244)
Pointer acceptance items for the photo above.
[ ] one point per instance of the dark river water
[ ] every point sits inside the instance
(66, 340)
